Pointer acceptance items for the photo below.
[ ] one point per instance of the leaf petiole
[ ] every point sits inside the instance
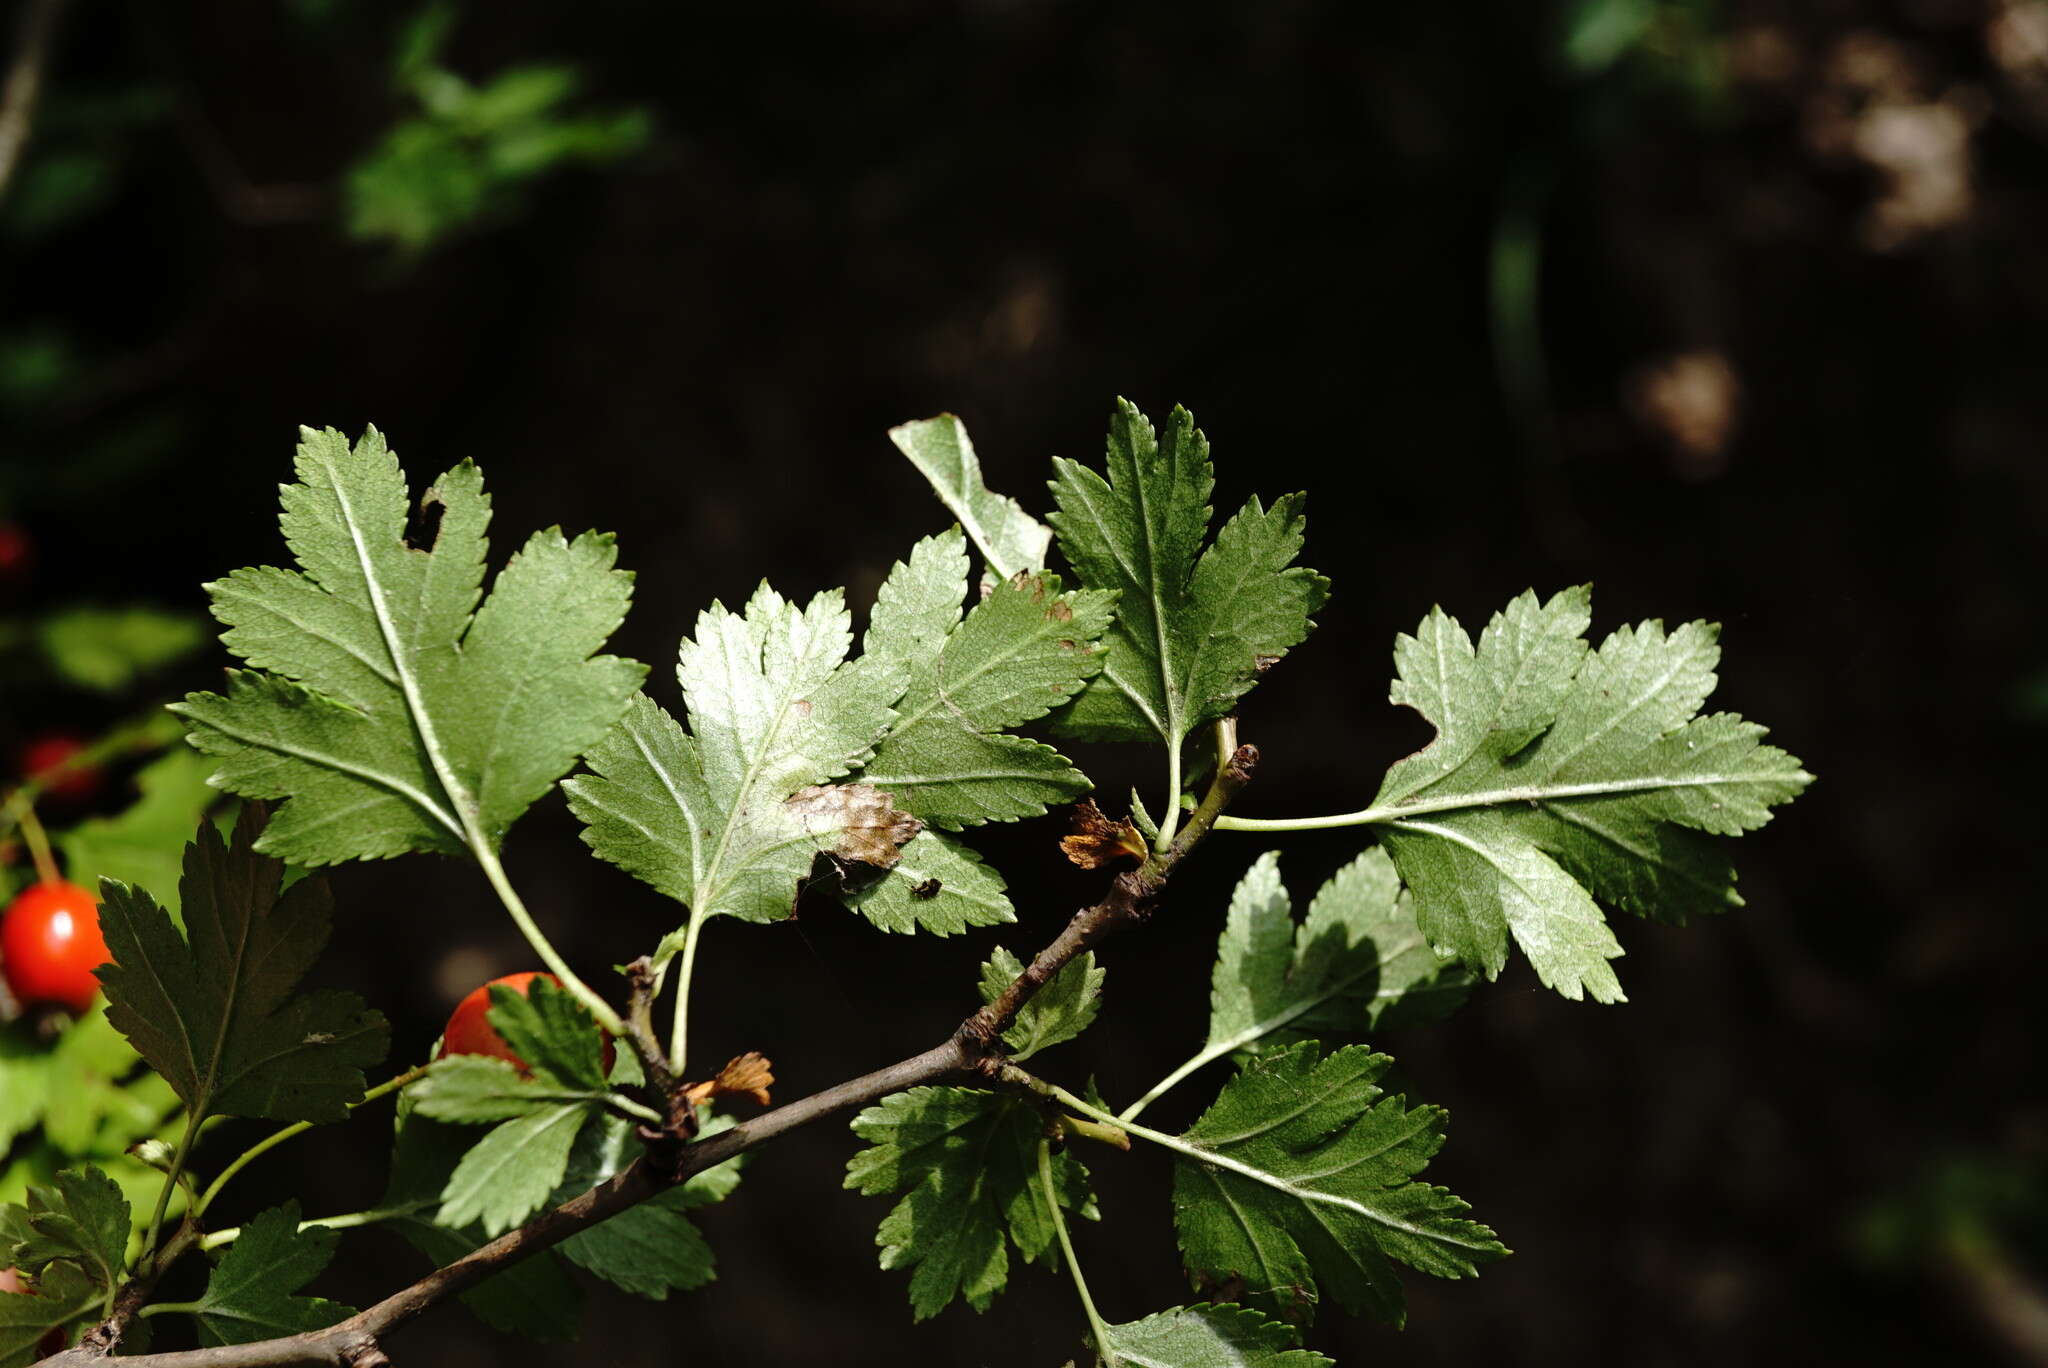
(602, 1011)
(348, 1220)
(278, 1137)
(1096, 1326)
(1531, 794)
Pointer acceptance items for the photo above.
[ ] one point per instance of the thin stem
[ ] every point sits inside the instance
(276, 1138)
(348, 1220)
(1533, 793)
(38, 841)
(559, 967)
(1169, 823)
(679, 1034)
(163, 1198)
(1096, 1327)
(639, 1111)
(1159, 1089)
(166, 1308)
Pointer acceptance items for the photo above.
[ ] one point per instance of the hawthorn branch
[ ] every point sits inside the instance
(974, 1048)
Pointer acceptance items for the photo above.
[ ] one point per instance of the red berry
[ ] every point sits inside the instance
(17, 552)
(48, 751)
(469, 1029)
(50, 943)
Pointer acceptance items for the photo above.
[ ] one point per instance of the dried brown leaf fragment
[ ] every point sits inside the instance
(1096, 841)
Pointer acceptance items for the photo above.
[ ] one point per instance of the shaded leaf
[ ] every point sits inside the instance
(80, 1216)
(534, 1297)
(1357, 962)
(63, 1296)
(1303, 1183)
(967, 1163)
(216, 1012)
(251, 1294)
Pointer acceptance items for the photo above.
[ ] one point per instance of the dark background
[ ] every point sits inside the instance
(1786, 373)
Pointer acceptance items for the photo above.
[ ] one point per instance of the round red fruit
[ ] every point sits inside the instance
(17, 552)
(44, 754)
(469, 1029)
(50, 943)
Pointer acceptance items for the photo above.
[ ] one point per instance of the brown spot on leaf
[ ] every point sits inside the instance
(926, 890)
(1096, 841)
(803, 707)
(864, 822)
(1264, 663)
(1060, 612)
(747, 1075)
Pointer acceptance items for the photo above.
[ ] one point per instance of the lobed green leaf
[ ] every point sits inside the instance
(396, 714)
(217, 1011)
(1562, 774)
(1304, 1182)
(251, 1293)
(967, 1164)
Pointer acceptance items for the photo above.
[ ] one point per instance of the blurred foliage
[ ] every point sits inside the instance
(1965, 1202)
(1667, 46)
(472, 150)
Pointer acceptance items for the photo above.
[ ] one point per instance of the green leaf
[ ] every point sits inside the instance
(554, 1033)
(98, 1109)
(107, 649)
(653, 1248)
(143, 843)
(63, 1295)
(1205, 1336)
(1024, 649)
(25, 1073)
(1011, 540)
(1194, 628)
(80, 1216)
(967, 1162)
(938, 885)
(1357, 963)
(509, 1174)
(1303, 1182)
(1058, 1012)
(535, 1297)
(218, 1015)
(250, 1294)
(730, 817)
(395, 718)
(473, 1089)
(1560, 775)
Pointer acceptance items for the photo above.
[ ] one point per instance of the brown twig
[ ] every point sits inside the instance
(24, 85)
(974, 1048)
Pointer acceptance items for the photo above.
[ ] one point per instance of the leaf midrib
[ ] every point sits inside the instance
(423, 726)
